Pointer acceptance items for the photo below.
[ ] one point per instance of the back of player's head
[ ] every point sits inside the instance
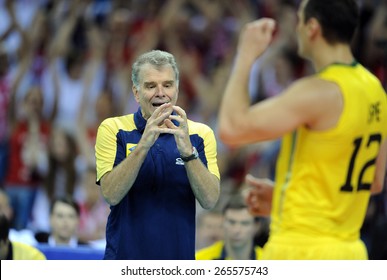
(338, 18)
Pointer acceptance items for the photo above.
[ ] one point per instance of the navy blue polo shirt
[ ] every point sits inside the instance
(156, 218)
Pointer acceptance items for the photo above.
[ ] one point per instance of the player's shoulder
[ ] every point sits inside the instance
(211, 252)
(314, 83)
(27, 252)
(258, 252)
(312, 87)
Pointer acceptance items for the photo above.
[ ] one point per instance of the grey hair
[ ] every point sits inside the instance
(156, 58)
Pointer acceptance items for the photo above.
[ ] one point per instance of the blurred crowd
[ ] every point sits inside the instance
(65, 65)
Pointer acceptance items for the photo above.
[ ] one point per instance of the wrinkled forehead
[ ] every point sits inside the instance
(150, 72)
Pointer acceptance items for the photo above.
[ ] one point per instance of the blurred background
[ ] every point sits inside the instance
(65, 65)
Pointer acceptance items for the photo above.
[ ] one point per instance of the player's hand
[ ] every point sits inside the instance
(255, 38)
(259, 195)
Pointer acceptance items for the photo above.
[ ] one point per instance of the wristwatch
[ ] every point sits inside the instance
(194, 155)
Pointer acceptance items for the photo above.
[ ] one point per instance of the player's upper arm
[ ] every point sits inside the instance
(302, 103)
(380, 172)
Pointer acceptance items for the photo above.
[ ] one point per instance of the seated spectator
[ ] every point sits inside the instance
(64, 222)
(11, 250)
(209, 228)
(239, 232)
(62, 173)
(23, 236)
(28, 161)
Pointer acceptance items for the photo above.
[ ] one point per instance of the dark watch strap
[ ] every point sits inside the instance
(194, 155)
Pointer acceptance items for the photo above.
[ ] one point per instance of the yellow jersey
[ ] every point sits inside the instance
(217, 251)
(21, 251)
(323, 178)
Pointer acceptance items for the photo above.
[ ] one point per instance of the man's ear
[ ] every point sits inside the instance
(136, 94)
(314, 28)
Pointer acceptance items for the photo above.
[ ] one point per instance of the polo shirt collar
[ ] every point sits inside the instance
(139, 120)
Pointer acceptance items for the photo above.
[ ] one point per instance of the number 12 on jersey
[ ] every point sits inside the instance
(361, 185)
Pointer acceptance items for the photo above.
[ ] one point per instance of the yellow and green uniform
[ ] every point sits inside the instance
(217, 251)
(323, 178)
(21, 251)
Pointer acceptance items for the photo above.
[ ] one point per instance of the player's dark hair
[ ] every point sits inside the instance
(338, 18)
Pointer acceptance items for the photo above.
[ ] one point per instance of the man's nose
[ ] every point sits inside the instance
(159, 90)
(237, 228)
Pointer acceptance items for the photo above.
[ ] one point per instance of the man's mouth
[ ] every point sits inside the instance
(158, 104)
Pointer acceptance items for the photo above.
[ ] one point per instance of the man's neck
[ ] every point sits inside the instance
(240, 253)
(330, 54)
(58, 241)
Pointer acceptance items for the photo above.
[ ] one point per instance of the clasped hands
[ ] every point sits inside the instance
(161, 121)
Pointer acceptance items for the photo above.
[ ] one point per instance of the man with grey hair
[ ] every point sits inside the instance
(152, 166)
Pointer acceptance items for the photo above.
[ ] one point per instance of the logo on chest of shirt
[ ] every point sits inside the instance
(130, 148)
(179, 161)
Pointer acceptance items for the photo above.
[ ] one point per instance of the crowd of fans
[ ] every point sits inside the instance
(65, 65)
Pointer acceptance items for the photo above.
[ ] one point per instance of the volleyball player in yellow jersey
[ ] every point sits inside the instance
(334, 128)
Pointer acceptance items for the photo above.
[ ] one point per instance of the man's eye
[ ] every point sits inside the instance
(168, 85)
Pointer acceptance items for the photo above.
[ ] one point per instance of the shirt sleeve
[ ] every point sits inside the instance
(105, 149)
(210, 151)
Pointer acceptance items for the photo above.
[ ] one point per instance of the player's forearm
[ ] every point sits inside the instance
(204, 184)
(236, 100)
(117, 183)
